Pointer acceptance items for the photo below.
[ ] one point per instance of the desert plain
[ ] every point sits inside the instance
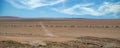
(59, 33)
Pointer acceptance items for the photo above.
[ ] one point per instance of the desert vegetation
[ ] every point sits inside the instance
(59, 26)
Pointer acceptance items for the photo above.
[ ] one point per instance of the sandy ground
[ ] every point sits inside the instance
(58, 33)
(22, 39)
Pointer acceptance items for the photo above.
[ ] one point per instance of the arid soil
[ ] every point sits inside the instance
(80, 42)
(59, 33)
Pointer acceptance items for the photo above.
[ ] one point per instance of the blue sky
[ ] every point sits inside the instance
(100, 9)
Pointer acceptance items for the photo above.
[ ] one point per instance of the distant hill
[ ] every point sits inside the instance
(8, 17)
(13, 18)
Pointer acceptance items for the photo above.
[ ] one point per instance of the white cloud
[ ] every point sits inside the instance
(107, 8)
(84, 9)
(31, 4)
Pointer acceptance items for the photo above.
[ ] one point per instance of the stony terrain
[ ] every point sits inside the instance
(79, 42)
